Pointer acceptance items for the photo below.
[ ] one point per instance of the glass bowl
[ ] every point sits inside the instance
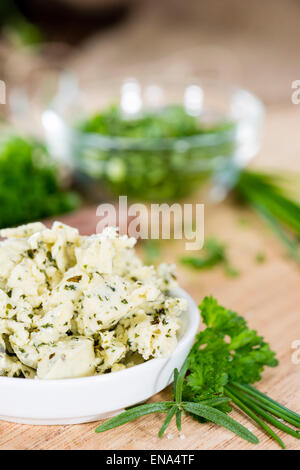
(148, 164)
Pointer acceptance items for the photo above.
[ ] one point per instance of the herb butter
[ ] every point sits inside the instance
(74, 306)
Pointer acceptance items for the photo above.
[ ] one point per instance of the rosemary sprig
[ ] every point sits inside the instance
(168, 419)
(204, 409)
(134, 413)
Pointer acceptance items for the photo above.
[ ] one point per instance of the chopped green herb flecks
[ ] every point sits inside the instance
(214, 254)
(260, 257)
(163, 160)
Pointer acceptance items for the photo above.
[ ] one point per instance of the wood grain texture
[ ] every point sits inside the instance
(267, 294)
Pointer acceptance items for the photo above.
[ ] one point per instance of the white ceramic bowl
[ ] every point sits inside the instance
(73, 401)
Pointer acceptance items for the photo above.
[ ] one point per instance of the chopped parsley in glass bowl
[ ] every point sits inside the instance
(157, 140)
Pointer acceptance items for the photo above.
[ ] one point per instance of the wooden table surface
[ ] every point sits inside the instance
(267, 294)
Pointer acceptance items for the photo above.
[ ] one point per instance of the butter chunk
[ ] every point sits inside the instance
(69, 357)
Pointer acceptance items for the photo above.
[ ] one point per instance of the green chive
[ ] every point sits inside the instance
(252, 415)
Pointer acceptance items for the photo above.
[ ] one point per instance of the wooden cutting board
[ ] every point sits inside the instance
(267, 294)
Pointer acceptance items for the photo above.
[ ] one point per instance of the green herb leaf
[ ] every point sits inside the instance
(178, 419)
(214, 253)
(215, 402)
(265, 398)
(270, 405)
(180, 379)
(29, 188)
(167, 421)
(225, 354)
(227, 350)
(260, 257)
(251, 403)
(176, 373)
(152, 250)
(157, 171)
(220, 418)
(252, 415)
(134, 413)
(269, 196)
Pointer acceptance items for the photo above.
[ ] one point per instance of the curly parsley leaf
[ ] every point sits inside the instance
(207, 371)
(227, 350)
(226, 357)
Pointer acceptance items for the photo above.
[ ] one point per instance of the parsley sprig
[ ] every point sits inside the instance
(226, 358)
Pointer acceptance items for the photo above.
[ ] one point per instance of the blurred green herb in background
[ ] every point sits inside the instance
(244, 222)
(15, 27)
(260, 257)
(162, 158)
(170, 122)
(152, 251)
(214, 254)
(29, 183)
(274, 198)
(169, 165)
